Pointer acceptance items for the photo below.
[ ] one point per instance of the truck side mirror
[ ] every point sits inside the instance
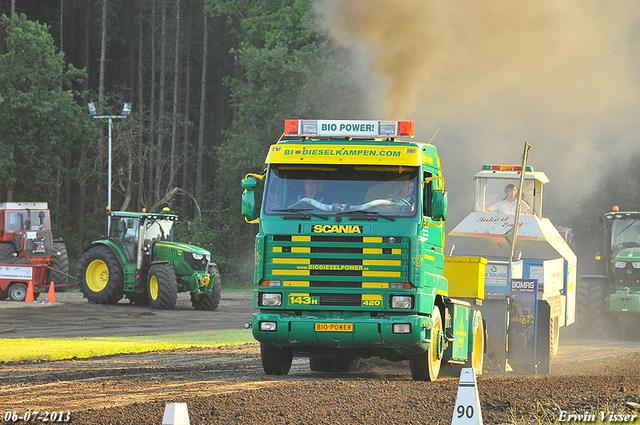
(439, 205)
(249, 198)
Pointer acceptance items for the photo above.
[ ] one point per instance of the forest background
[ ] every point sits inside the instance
(210, 85)
(210, 82)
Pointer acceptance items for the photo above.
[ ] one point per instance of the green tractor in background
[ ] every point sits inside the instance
(609, 300)
(141, 261)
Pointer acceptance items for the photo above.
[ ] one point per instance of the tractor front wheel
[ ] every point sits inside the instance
(100, 276)
(162, 287)
(208, 302)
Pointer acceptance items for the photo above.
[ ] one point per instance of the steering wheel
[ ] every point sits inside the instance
(399, 200)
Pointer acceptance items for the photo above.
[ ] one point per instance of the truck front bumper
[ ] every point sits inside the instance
(406, 335)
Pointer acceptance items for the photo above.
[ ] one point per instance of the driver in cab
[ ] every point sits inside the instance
(405, 193)
(509, 203)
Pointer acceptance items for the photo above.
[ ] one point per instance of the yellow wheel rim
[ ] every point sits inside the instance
(153, 287)
(436, 344)
(97, 275)
(477, 347)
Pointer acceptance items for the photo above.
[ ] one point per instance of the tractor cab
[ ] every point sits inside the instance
(127, 230)
(28, 226)
(494, 181)
(19, 217)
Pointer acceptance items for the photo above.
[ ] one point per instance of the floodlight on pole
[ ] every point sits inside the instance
(94, 110)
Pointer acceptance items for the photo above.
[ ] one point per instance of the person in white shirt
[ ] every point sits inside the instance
(508, 204)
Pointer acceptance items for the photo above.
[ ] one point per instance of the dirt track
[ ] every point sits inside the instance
(227, 385)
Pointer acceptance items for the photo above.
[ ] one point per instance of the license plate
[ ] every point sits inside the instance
(334, 327)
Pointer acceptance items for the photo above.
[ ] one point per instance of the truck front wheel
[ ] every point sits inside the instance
(100, 276)
(426, 366)
(162, 287)
(276, 361)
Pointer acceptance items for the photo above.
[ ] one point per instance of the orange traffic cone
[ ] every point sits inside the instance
(51, 296)
(29, 297)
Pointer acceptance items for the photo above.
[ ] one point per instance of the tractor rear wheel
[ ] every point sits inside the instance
(426, 366)
(7, 251)
(591, 307)
(59, 262)
(162, 287)
(100, 276)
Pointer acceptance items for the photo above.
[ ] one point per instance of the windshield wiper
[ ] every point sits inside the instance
(368, 215)
(303, 213)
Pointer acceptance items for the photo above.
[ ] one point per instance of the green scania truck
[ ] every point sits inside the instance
(349, 252)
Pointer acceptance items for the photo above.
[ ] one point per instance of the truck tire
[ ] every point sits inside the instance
(100, 276)
(7, 251)
(60, 262)
(208, 302)
(426, 366)
(18, 291)
(591, 307)
(276, 361)
(162, 287)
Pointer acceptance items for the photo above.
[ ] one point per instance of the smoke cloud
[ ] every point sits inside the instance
(492, 75)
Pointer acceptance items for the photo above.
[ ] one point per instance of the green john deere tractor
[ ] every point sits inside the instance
(141, 261)
(609, 300)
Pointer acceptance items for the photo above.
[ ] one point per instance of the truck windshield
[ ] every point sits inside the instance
(158, 230)
(330, 190)
(625, 233)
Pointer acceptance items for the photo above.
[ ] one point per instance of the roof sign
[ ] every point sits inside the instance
(348, 128)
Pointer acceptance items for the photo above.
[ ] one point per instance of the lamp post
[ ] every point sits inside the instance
(126, 111)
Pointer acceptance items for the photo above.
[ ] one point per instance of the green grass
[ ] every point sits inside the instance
(67, 348)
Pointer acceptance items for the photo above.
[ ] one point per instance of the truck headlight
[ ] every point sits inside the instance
(402, 301)
(268, 326)
(402, 328)
(271, 300)
(621, 264)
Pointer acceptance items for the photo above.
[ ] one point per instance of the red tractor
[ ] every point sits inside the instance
(26, 242)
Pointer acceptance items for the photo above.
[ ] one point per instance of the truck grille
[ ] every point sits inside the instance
(355, 264)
